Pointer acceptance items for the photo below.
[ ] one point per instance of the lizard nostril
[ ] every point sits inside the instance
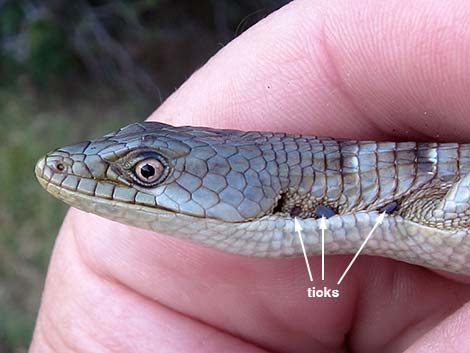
(59, 167)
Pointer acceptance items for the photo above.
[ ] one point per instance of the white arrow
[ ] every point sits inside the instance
(323, 227)
(379, 221)
(298, 229)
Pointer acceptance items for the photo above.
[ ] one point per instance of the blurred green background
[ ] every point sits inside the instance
(71, 70)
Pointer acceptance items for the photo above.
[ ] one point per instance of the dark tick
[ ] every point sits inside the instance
(296, 211)
(389, 208)
(324, 211)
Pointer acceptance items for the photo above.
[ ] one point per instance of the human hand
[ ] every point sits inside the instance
(357, 69)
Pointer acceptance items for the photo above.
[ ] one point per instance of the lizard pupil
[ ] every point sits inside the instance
(147, 171)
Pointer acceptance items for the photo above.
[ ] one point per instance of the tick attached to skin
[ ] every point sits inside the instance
(324, 211)
(296, 211)
(389, 208)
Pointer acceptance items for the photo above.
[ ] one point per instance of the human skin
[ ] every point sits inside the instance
(387, 70)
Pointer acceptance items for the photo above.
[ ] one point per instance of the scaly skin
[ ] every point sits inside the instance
(239, 191)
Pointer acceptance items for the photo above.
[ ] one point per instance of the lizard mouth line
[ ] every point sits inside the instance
(71, 195)
(111, 206)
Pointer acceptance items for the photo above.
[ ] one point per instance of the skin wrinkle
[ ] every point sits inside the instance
(361, 302)
(87, 266)
(448, 340)
(423, 326)
(348, 340)
(55, 341)
(46, 337)
(335, 78)
(417, 325)
(414, 327)
(49, 339)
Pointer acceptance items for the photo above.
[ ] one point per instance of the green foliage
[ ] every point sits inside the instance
(29, 217)
(49, 54)
(15, 327)
(10, 19)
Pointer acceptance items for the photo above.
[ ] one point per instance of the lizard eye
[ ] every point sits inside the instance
(149, 170)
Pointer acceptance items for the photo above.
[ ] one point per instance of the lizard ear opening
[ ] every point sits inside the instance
(281, 202)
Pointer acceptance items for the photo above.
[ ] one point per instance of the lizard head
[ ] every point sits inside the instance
(164, 170)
